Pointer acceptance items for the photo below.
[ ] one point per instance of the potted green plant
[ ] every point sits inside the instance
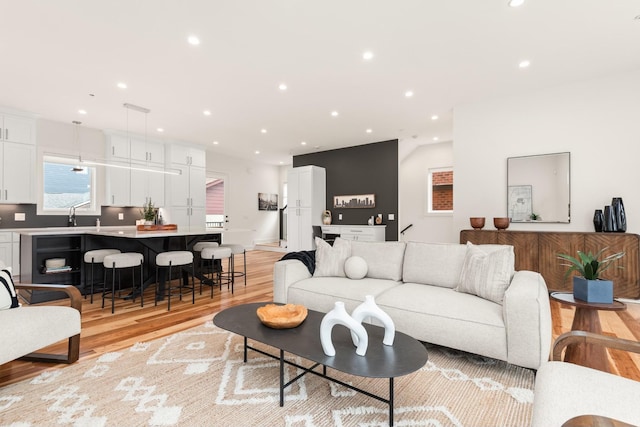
(148, 213)
(587, 286)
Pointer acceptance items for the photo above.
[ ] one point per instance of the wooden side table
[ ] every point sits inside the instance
(586, 318)
(594, 421)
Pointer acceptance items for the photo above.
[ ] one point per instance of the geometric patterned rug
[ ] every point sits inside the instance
(197, 378)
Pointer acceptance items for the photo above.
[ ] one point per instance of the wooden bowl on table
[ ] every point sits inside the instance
(282, 316)
(501, 223)
(477, 222)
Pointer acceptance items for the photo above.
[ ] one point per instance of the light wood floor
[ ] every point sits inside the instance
(103, 332)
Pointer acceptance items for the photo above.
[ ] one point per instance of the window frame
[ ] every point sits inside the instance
(93, 209)
(429, 211)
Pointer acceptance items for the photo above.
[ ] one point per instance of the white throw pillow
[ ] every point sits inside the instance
(330, 260)
(487, 275)
(8, 295)
(355, 267)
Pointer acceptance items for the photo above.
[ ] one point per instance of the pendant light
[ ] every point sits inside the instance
(76, 137)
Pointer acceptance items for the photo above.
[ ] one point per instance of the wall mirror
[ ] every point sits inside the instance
(538, 188)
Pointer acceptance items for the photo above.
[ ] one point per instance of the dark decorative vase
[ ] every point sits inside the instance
(609, 219)
(598, 220)
(620, 216)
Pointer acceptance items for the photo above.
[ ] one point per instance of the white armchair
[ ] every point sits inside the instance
(27, 329)
(564, 391)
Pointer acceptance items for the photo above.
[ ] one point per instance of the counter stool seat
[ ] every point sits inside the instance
(96, 257)
(213, 253)
(175, 259)
(198, 247)
(119, 261)
(237, 250)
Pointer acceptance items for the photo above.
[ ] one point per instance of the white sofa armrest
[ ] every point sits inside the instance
(285, 273)
(527, 317)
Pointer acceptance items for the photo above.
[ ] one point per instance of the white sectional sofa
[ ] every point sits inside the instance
(415, 283)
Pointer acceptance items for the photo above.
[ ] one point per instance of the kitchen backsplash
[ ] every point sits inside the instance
(109, 216)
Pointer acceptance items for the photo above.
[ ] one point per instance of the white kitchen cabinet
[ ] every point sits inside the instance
(147, 152)
(186, 192)
(188, 156)
(128, 186)
(118, 147)
(17, 177)
(17, 129)
(307, 199)
(361, 233)
(118, 185)
(10, 251)
(17, 159)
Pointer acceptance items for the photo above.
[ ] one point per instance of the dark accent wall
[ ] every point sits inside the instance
(363, 169)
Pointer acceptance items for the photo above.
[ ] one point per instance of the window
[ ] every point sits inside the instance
(440, 191)
(65, 185)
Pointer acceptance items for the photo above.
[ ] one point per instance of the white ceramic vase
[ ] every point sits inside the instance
(339, 316)
(369, 308)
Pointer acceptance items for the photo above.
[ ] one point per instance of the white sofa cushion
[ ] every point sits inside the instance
(437, 264)
(445, 317)
(321, 293)
(355, 268)
(384, 259)
(330, 259)
(487, 274)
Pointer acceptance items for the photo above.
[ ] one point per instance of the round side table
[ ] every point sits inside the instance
(586, 319)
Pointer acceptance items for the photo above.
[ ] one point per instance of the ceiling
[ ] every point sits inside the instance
(59, 57)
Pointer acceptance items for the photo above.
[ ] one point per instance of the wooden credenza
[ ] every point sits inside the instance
(538, 251)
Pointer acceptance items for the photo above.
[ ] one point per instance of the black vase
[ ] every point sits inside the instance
(598, 220)
(609, 219)
(619, 215)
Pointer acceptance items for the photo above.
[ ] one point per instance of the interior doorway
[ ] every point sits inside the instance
(215, 201)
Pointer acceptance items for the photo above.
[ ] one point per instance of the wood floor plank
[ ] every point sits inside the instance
(104, 332)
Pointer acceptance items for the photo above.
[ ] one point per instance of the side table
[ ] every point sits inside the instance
(586, 318)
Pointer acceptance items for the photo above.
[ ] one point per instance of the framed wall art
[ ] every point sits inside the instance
(355, 201)
(267, 202)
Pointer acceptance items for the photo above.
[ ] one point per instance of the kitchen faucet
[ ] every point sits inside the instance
(72, 216)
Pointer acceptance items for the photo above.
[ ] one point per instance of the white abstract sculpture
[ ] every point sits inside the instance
(369, 308)
(339, 316)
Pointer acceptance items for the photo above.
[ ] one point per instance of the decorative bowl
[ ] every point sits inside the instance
(501, 223)
(477, 222)
(282, 316)
(55, 262)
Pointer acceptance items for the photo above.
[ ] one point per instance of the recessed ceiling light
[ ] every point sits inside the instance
(122, 85)
(206, 112)
(257, 151)
(303, 143)
(367, 56)
(435, 138)
(515, 3)
(369, 131)
(82, 111)
(434, 117)
(160, 130)
(193, 40)
(215, 143)
(334, 114)
(524, 64)
(281, 162)
(408, 93)
(263, 130)
(282, 86)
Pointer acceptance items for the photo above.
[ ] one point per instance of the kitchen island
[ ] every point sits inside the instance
(40, 244)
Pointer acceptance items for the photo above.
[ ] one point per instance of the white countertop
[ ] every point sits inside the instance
(115, 231)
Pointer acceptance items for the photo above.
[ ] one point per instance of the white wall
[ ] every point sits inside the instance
(243, 181)
(598, 121)
(414, 168)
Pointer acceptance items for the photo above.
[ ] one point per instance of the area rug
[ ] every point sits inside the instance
(197, 378)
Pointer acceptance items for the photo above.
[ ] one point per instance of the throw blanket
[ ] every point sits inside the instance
(308, 258)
